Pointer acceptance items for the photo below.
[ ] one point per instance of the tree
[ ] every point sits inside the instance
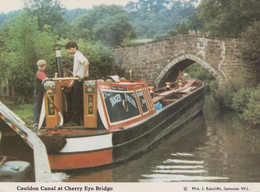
(23, 45)
(107, 24)
(227, 18)
(48, 12)
(250, 48)
(113, 30)
(152, 18)
(5, 17)
(194, 23)
(182, 29)
(70, 15)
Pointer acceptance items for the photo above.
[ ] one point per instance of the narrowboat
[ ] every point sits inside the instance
(121, 118)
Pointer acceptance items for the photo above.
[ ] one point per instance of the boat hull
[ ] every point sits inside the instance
(107, 147)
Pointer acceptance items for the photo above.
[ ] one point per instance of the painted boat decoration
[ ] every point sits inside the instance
(119, 119)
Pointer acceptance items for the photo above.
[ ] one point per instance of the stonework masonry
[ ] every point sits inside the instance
(153, 61)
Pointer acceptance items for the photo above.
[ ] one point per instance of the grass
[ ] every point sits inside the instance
(24, 111)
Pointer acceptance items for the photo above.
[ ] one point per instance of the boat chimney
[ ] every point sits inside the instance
(151, 90)
(131, 75)
(57, 49)
(168, 86)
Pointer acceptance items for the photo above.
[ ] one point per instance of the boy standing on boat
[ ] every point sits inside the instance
(80, 69)
(38, 90)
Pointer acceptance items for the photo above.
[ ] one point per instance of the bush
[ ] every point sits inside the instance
(197, 71)
(252, 112)
(161, 36)
(128, 42)
(241, 99)
(222, 94)
(234, 94)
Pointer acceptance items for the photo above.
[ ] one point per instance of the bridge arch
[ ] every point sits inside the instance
(170, 71)
(159, 61)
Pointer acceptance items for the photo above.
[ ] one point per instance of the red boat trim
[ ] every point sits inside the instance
(82, 160)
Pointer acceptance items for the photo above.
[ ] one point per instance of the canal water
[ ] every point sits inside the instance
(215, 148)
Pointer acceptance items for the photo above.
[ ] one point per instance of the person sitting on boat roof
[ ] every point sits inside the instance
(39, 90)
(80, 69)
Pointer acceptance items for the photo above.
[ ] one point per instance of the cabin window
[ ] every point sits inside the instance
(142, 101)
(120, 105)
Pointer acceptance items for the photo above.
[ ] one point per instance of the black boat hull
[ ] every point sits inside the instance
(136, 139)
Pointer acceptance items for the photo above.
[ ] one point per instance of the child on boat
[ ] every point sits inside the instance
(38, 90)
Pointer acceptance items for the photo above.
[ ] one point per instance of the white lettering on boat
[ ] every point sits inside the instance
(115, 99)
(130, 100)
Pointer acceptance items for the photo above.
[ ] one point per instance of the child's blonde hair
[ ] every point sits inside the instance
(41, 63)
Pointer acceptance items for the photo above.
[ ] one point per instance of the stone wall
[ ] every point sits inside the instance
(154, 61)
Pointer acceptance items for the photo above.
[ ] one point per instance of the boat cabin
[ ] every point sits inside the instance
(109, 104)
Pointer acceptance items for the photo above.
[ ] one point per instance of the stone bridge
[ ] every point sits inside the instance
(160, 61)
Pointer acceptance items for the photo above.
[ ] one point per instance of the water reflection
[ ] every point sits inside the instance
(184, 164)
(234, 150)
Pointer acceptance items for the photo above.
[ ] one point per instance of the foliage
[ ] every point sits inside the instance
(197, 71)
(182, 29)
(241, 99)
(23, 46)
(102, 63)
(31, 35)
(227, 18)
(194, 22)
(19, 51)
(240, 95)
(128, 42)
(161, 36)
(47, 12)
(250, 48)
(223, 95)
(148, 18)
(5, 17)
(151, 18)
(101, 59)
(252, 112)
(70, 15)
(234, 92)
(108, 24)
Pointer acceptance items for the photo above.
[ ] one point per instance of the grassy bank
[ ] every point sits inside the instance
(24, 111)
